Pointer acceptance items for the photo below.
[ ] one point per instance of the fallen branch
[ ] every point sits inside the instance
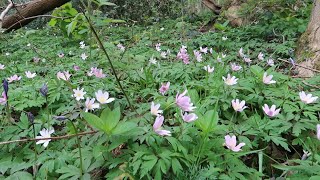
(52, 138)
(314, 70)
(5, 11)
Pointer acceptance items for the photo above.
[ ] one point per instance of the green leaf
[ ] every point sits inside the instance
(123, 127)
(110, 118)
(21, 175)
(176, 166)
(72, 26)
(93, 120)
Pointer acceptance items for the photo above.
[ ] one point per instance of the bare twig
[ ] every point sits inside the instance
(52, 138)
(314, 86)
(6, 10)
(314, 70)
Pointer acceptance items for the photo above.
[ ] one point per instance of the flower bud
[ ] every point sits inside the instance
(30, 117)
(5, 85)
(44, 90)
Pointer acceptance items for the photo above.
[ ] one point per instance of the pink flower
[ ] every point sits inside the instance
(235, 67)
(231, 143)
(63, 75)
(270, 62)
(307, 98)
(189, 117)
(184, 102)
(208, 68)
(157, 127)
(271, 112)
(121, 47)
(230, 81)
(247, 60)
(183, 55)
(14, 78)
(90, 104)
(318, 131)
(4, 99)
(2, 67)
(76, 68)
(198, 55)
(211, 50)
(164, 88)
(237, 105)
(97, 72)
(268, 79)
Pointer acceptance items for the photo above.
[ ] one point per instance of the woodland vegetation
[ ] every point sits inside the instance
(150, 89)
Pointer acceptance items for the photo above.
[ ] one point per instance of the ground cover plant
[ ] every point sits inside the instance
(109, 100)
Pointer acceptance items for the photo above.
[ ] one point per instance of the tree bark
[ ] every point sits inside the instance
(308, 50)
(28, 12)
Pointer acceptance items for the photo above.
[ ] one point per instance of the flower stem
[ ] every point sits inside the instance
(8, 112)
(35, 169)
(79, 146)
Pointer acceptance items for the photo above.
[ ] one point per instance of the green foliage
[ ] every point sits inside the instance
(127, 145)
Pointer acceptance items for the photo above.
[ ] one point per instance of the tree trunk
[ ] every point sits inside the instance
(26, 13)
(308, 50)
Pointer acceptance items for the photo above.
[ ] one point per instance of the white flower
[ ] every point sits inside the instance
(204, 50)
(155, 109)
(158, 47)
(7, 54)
(2, 67)
(260, 56)
(30, 75)
(103, 98)
(230, 80)
(241, 54)
(224, 55)
(318, 131)
(224, 38)
(271, 112)
(270, 62)
(163, 54)
(28, 45)
(268, 79)
(90, 105)
(219, 59)
(307, 98)
(161, 29)
(78, 94)
(208, 68)
(235, 67)
(45, 133)
(237, 105)
(152, 60)
(84, 56)
(82, 45)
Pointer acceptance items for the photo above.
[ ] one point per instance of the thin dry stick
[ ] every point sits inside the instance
(300, 65)
(6, 10)
(52, 138)
(314, 86)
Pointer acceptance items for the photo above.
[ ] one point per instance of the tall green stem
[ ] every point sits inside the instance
(79, 147)
(35, 169)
